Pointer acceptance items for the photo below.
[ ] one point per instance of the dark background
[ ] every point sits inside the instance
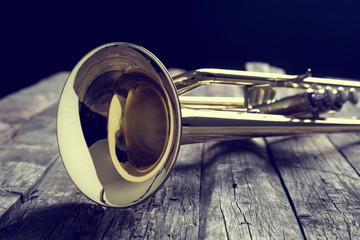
(41, 39)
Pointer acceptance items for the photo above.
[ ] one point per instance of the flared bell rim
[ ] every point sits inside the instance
(73, 93)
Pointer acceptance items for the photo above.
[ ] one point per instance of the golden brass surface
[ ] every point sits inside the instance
(122, 118)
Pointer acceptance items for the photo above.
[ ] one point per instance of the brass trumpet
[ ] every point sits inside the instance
(122, 118)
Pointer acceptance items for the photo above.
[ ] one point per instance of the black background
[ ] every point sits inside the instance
(41, 39)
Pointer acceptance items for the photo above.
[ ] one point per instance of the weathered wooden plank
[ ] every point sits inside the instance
(20, 106)
(242, 196)
(57, 209)
(324, 188)
(19, 164)
(26, 157)
(348, 144)
(173, 213)
(38, 132)
(39, 214)
(28, 102)
(8, 201)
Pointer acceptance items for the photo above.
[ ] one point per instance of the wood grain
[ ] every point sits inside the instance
(242, 196)
(322, 185)
(57, 210)
(20, 106)
(25, 103)
(28, 153)
(348, 144)
(27, 141)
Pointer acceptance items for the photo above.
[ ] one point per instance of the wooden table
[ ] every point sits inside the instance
(304, 187)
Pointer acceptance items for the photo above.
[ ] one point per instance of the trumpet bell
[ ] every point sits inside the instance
(119, 124)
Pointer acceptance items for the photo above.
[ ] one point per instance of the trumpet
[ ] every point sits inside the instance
(122, 118)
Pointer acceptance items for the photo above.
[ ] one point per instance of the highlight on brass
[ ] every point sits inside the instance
(122, 118)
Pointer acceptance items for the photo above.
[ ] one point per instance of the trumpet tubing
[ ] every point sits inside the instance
(122, 118)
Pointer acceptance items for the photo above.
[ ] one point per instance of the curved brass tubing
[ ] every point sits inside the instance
(120, 123)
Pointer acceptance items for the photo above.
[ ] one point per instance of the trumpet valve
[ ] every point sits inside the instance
(353, 96)
(324, 99)
(341, 96)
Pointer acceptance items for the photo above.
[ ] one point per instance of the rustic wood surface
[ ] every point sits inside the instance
(303, 187)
